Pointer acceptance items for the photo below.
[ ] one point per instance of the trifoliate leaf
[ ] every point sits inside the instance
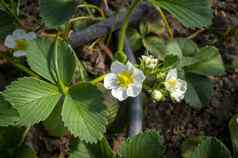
(199, 90)
(38, 57)
(53, 62)
(144, 145)
(83, 150)
(56, 12)
(84, 112)
(62, 62)
(8, 115)
(210, 148)
(34, 99)
(191, 13)
(233, 127)
(210, 62)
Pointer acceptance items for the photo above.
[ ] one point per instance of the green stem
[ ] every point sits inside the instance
(122, 34)
(93, 7)
(24, 136)
(61, 85)
(23, 68)
(86, 18)
(170, 30)
(98, 79)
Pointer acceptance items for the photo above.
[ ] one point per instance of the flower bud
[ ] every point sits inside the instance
(149, 61)
(157, 95)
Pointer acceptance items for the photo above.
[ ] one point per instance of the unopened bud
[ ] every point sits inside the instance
(157, 95)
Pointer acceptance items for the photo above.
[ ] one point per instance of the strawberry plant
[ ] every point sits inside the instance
(59, 92)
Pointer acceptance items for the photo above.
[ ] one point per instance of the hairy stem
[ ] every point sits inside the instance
(24, 136)
(170, 30)
(122, 34)
(98, 79)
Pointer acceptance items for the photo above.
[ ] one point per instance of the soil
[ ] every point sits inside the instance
(175, 121)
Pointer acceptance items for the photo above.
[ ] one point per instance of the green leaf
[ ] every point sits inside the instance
(173, 48)
(6, 24)
(56, 12)
(54, 124)
(38, 58)
(210, 148)
(79, 149)
(191, 13)
(52, 63)
(135, 39)
(199, 90)
(25, 152)
(84, 112)
(155, 46)
(170, 61)
(8, 115)
(189, 145)
(144, 145)
(10, 137)
(34, 99)
(210, 62)
(185, 50)
(233, 127)
(187, 46)
(62, 62)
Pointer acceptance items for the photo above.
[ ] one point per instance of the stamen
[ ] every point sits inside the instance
(124, 79)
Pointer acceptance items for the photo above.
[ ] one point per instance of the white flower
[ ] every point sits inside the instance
(149, 61)
(124, 80)
(18, 41)
(175, 86)
(157, 95)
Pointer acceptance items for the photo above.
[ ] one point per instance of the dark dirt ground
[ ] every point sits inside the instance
(175, 121)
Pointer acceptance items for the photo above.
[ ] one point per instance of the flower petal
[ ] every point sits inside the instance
(110, 81)
(181, 85)
(177, 95)
(119, 93)
(134, 90)
(19, 53)
(130, 66)
(117, 67)
(10, 42)
(30, 36)
(172, 74)
(138, 75)
(19, 34)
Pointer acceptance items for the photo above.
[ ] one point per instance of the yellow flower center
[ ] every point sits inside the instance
(21, 45)
(172, 83)
(124, 79)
